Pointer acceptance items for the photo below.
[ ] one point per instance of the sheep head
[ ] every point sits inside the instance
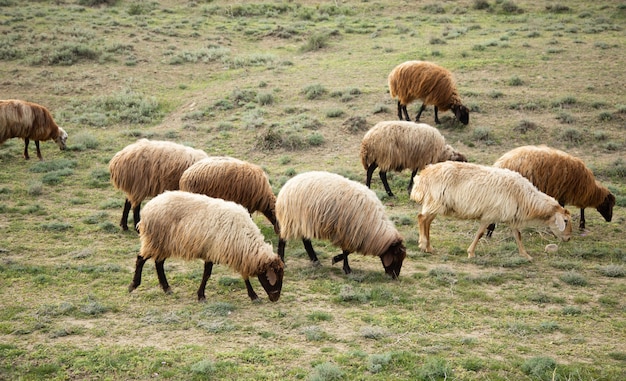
(461, 112)
(392, 258)
(61, 138)
(272, 279)
(451, 154)
(561, 224)
(606, 208)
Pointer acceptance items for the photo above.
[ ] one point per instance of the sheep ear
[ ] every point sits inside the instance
(560, 222)
(387, 259)
(271, 276)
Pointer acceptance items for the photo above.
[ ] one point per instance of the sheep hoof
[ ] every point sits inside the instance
(201, 299)
(316, 263)
(168, 291)
(131, 287)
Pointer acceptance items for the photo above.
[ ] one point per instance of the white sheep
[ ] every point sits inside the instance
(328, 206)
(234, 180)
(398, 145)
(429, 82)
(562, 176)
(194, 226)
(26, 120)
(488, 194)
(146, 168)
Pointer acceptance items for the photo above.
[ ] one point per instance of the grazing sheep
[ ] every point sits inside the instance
(146, 168)
(26, 120)
(234, 180)
(488, 194)
(325, 205)
(194, 226)
(431, 83)
(560, 175)
(394, 146)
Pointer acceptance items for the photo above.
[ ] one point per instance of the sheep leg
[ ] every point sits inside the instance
(136, 216)
(424, 222)
(137, 278)
(124, 221)
(161, 275)
(26, 141)
(343, 256)
(490, 229)
(309, 250)
(518, 238)
(437, 116)
(419, 114)
(208, 267)
(370, 172)
(253, 296)
(281, 249)
(411, 181)
(38, 150)
(402, 109)
(479, 234)
(383, 178)
(581, 226)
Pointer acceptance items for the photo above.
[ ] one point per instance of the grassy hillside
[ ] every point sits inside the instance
(293, 86)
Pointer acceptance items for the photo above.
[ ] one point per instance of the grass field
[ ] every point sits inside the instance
(293, 86)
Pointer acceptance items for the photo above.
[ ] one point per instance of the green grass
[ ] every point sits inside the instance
(293, 87)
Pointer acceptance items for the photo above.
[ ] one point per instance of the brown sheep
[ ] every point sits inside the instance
(147, 168)
(26, 120)
(429, 82)
(234, 180)
(562, 176)
(397, 145)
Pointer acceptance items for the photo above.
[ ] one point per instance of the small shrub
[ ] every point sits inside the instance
(35, 188)
(265, 99)
(334, 113)
(482, 134)
(376, 362)
(541, 368)
(203, 368)
(524, 126)
(571, 311)
(515, 81)
(315, 139)
(510, 8)
(315, 42)
(314, 91)
(434, 369)
(613, 271)
(481, 4)
(573, 279)
(605, 116)
(319, 316)
(380, 108)
(355, 124)
(572, 135)
(326, 372)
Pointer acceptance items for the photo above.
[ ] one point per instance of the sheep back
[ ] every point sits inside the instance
(328, 206)
(146, 168)
(21, 119)
(558, 174)
(231, 179)
(397, 145)
(472, 191)
(194, 226)
(433, 84)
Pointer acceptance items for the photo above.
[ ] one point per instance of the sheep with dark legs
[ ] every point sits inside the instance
(147, 168)
(398, 145)
(29, 121)
(560, 175)
(233, 180)
(194, 226)
(429, 82)
(488, 194)
(328, 206)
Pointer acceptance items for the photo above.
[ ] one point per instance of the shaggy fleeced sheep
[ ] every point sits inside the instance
(562, 176)
(488, 194)
(194, 226)
(328, 206)
(26, 120)
(146, 168)
(234, 180)
(429, 82)
(398, 145)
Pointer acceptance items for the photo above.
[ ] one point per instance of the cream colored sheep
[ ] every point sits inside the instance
(429, 82)
(26, 120)
(146, 168)
(234, 180)
(328, 206)
(194, 226)
(562, 176)
(398, 145)
(488, 194)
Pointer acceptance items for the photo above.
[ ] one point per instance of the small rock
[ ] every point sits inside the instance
(552, 248)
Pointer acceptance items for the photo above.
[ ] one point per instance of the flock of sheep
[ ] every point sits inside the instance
(201, 206)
